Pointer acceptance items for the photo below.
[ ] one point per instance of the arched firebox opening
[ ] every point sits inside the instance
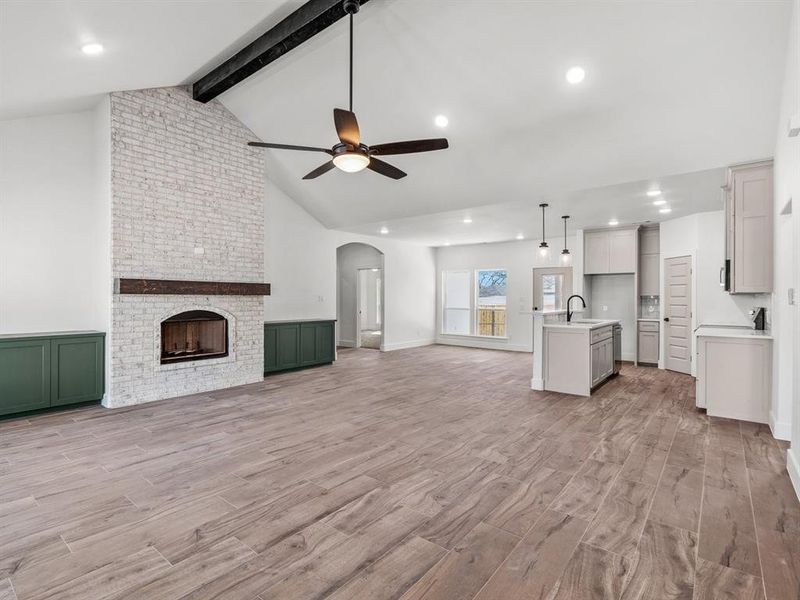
(193, 335)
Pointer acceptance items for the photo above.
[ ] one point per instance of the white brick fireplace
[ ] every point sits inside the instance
(187, 204)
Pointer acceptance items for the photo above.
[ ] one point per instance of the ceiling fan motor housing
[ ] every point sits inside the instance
(351, 6)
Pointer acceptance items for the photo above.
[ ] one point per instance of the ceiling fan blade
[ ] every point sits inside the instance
(321, 170)
(409, 147)
(346, 127)
(289, 147)
(385, 168)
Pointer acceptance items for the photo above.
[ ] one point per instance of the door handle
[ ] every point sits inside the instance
(666, 319)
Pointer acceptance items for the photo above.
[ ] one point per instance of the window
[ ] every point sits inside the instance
(551, 288)
(474, 311)
(491, 309)
(457, 305)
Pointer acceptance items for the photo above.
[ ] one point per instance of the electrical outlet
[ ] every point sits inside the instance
(199, 251)
(605, 308)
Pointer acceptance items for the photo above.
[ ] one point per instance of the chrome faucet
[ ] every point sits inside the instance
(569, 312)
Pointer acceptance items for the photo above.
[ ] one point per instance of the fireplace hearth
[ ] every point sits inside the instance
(193, 335)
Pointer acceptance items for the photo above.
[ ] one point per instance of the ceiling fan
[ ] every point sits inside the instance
(350, 155)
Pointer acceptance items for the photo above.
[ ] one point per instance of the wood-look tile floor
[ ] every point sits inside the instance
(433, 473)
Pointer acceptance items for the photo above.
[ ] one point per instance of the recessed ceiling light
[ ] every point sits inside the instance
(92, 49)
(441, 121)
(654, 193)
(447, 243)
(467, 220)
(384, 230)
(665, 210)
(520, 236)
(575, 75)
(659, 202)
(613, 222)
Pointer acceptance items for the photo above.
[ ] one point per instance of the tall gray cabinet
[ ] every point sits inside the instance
(749, 228)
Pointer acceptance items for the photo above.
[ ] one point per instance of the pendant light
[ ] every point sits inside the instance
(544, 249)
(566, 257)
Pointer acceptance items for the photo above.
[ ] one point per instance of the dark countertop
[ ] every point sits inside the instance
(299, 321)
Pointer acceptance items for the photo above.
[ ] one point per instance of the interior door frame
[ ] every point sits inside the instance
(662, 359)
(357, 319)
(568, 280)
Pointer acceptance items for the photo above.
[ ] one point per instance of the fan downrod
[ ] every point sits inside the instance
(351, 6)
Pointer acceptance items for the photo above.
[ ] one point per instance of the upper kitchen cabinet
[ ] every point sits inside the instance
(609, 251)
(749, 229)
(649, 255)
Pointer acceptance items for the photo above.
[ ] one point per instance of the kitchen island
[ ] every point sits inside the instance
(578, 356)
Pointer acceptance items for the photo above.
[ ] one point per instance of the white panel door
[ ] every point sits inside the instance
(678, 313)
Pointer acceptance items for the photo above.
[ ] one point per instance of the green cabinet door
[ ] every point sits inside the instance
(76, 367)
(325, 347)
(308, 344)
(270, 349)
(288, 355)
(24, 375)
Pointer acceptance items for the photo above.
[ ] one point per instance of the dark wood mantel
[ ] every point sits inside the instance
(189, 288)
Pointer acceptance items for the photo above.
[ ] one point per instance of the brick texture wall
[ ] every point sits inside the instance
(187, 203)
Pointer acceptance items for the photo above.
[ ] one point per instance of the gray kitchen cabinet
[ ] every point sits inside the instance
(749, 228)
(745, 396)
(622, 252)
(609, 251)
(596, 252)
(649, 262)
(602, 352)
(649, 338)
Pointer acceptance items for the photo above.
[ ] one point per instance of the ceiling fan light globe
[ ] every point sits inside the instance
(351, 162)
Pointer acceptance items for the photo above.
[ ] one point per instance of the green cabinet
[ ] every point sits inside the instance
(296, 344)
(43, 370)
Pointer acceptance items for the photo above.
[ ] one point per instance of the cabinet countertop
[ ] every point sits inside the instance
(283, 321)
(587, 325)
(733, 332)
(48, 334)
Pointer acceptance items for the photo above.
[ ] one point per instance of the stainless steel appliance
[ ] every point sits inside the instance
(617, 348)
(759, 314)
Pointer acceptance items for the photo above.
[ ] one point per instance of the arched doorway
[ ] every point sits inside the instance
(360, 319)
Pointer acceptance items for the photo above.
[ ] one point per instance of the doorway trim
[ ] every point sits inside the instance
(662, 360)
(357, 316)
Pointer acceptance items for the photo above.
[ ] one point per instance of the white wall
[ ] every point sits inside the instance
(519, 258)
(55, 266)
(614, 297)
(349, 259)
(787, 255)
(702, 236)
(300, 263)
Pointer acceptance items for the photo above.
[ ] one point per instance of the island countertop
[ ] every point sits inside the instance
(582, 324)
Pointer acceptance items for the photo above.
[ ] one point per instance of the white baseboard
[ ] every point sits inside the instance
(409, 344)
(780, 430)
(793, 466)
(346, 343)
(474, 342)
(537, 384)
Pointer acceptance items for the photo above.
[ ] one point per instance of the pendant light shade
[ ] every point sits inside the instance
(544, 248)
(566, 257)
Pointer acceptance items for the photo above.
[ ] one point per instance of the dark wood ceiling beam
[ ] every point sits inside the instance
(303, 24)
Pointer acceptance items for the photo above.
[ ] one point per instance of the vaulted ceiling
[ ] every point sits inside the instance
(671, 88)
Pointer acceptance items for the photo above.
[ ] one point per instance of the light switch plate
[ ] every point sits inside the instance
(199, 251)
(791, 296)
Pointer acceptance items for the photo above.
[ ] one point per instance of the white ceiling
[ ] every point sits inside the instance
(147, 44)
(671, 88)
(627, 203)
